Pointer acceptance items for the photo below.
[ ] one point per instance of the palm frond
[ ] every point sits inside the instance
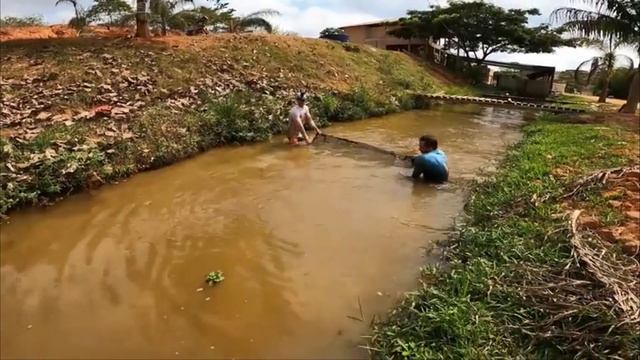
(604, 5)
(609, 60)
(592, 43)
(598, 24)
(582, 64)
(615, 8)
(626, 59)
(595, 65)
(263, 13)
(565, 14)
(72, 2)
(602, 28)
(256, 23)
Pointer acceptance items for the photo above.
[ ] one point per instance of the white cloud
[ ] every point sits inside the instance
(562, 59)
(309, 22)
(306, 21)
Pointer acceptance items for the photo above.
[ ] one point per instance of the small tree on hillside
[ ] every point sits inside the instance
(479, 29)
(604, 64)
(163, 14)
(79, 21)
(200, 16)
(110, 9)
(255, 20)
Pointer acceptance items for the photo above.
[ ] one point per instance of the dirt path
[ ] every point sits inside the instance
(611, 101)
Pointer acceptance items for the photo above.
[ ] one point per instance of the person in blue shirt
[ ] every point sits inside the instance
(431, 164)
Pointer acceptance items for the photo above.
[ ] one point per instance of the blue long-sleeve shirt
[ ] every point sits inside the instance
(432, 166)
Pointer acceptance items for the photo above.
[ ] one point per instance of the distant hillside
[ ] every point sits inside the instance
(568, 77)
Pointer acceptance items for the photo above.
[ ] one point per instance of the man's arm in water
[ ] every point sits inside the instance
(300, 125)
(310, 121)
(417, 171)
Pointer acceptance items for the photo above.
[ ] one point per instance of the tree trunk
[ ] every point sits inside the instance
(605, 90)
(142, 20)
(634, 95)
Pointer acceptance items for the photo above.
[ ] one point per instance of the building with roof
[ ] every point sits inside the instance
(526, 80)
(375, 34)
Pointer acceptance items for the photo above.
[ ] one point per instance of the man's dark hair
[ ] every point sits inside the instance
(429, 140)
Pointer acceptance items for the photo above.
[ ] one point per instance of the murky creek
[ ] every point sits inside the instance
(307, 238)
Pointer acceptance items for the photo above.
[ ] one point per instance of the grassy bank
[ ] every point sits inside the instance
(519, 281)
(81, 112)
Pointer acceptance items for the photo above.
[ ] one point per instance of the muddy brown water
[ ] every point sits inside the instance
(308, 239)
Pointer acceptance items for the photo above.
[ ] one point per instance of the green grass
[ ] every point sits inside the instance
(573, 101)
(571, 98)
(481, 304)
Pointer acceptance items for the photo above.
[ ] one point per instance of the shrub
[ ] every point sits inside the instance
(328, 107)
(406, 101)
(13, 21)
(618, 85)
(331, 32)
(363, 99)
(79, 23)
(231, 121)
(351, 47)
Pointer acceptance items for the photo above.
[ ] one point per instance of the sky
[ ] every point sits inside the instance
(309, 17)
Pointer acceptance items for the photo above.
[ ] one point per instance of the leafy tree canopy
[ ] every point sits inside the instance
(479, 29)
(202, 15)
(108, 9)
(331, 31)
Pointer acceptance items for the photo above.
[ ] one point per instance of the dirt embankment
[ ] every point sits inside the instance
(80, 111)
(36, 32)
(621, 191)
(25, 33)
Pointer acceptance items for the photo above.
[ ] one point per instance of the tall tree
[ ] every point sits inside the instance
(479, 29)
(110, 9)
(142, 19)
(161, 11)
(255, 20)
(604, 64)
(619, 19)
